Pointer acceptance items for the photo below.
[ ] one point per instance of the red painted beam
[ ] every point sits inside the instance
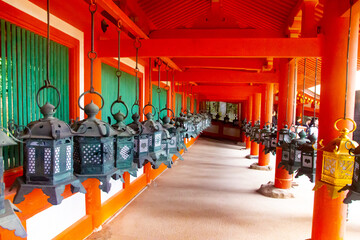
(221, 63)
(222, 98)
(219, 47)
(225, 76)
(110, 7)
(215, 33)
(227, 90)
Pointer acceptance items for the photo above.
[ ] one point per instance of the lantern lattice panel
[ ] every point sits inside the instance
(337, 171)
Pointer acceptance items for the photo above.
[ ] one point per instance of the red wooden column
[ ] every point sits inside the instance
(286, 95)
(249, 115)
(329, 215)
(254, 151)
(266, 116)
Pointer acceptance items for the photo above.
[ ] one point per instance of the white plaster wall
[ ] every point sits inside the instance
(54, 220)
(116, 186)
(140, 171)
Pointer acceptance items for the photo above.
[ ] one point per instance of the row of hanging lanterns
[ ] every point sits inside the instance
(57, 154)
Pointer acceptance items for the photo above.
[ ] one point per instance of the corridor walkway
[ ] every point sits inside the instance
(212, 195)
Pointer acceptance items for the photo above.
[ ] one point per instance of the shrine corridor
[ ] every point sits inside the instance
(212, 195)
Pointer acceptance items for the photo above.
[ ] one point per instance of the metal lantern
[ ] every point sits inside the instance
(308, 159)
(141, 142)
(264, 132)
(8, 219)
(337, 163)
(124, 143)
(284, 135)
(291, 152)
(94, 148)
(243, 124)
(189, 125)
(255, 132)
(172, 144)
(157, 135)
(180, 129)
(48, 156)
(354, 189)
(248, 129)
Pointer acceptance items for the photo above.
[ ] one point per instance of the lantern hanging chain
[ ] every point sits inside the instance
(118, 72)
(287, 94)
(316, 66)
(294, 99)
(303, 97)
(172, 83)
(347, 59)
(92, 54)
(137, 45)
(47, 81)
(158, 87)
(150, 83)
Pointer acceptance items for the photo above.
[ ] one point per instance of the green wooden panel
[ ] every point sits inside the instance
(23, 70)
(195, 106)
(155, 100)
(109, 86)
(178, 103)
(188, 104)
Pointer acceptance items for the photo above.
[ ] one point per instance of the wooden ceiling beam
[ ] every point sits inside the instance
(220, 48)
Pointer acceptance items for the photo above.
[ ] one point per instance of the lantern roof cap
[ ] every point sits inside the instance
(48, 127)
(5, 140)
(123, 130)
(341, 144)
(91, 126)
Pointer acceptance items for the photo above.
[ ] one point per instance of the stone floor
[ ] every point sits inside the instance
(212, 195)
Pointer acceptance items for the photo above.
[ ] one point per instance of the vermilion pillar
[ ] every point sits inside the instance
(286, 95)
(249, 115)
(329, 215)
(266, 116)
(254, 150)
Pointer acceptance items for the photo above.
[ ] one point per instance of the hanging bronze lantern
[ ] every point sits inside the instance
(94, 142)
(291, 154)
(248, 129)
(337, 163)
(270, 141)
(124, 143)
(141, 142)
(48, 149)
(8, 219)
(354, 189)
(284, 135)
(157, 134)
(264, 133)
(124, 140)
(285, 149)
(172, 144)
(308, 159)
(181, 130)
(48, 156)
(255, 132)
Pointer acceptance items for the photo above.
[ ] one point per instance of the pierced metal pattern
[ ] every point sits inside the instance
(157, 139)
(108, 151)
(57, 159)
(91, 153)
(125, 152)
(330, 165)
(68, 158)
(144, 145)
(307, 161)
(163, 146)
(76, 153)
(47, 160)
(31, 157)
(172, 142)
